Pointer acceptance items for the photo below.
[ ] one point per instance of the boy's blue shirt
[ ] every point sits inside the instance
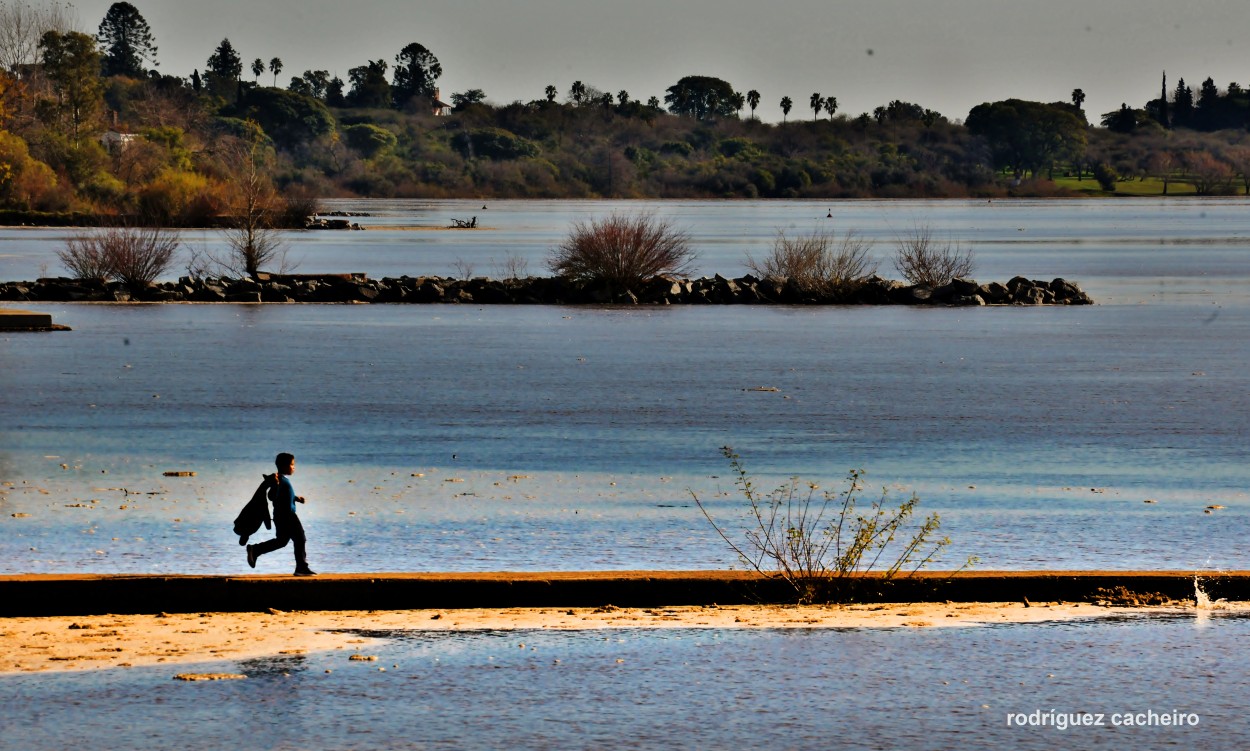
(283, 496)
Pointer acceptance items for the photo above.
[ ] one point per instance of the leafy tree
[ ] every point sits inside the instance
(72, 64)
(416, 72)
(369, 86)
(493, 143)
(334, 93)
(1209, 110)
(1123, 120)
(551, 93)
(1027, 136)
(369, 139)
(653, 102)
(831, 106)
(753, 101)
(786, 105)
(25, 182)
(275, 67)
(127, 41)
(314, 83)
(258, 67)
(287, 117)
(816, 102)
(222, 72)
(1182, 105)
(702, 97)
(460, 100)
(1208, 173)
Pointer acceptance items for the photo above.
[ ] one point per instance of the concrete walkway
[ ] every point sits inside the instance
(88, 594)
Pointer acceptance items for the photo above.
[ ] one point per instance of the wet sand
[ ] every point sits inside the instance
(63, 643)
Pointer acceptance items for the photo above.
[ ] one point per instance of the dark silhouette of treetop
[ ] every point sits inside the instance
(222, 72)
(369, 86)
(702, 97)
(416, 73)
(1028, 136)
(126, 41)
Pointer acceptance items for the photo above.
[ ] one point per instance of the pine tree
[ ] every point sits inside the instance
(126, 40)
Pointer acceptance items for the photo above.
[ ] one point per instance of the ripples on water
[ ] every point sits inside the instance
(658, 689)
(436, 438)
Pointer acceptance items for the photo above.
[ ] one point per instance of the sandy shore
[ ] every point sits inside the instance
(120, 641)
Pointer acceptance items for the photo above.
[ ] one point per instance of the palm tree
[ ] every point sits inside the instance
(786, 105)
(1078, 98)
(816, 103)
(831, 106)
(258, 67)
(275, 67)
(753, 101)
(551, 93)
(577, 92)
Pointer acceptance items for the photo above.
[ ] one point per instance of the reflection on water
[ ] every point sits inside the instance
(458, 437)
(549, 438)
(888, 689)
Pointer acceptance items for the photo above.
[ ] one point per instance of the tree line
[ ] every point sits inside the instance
(89, 123)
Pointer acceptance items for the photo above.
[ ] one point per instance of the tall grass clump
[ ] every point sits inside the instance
(819, 262)
(622, 250)
(821, 542)
(927, 262)
(134, 256)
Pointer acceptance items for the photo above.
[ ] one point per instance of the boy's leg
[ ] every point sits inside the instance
(297, 536)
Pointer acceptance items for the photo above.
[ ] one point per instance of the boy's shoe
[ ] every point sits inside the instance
(251, 556)
(305, 572)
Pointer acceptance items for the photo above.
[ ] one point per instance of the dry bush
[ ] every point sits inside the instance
(925, 262)
(819, 262)
(821, 542)
(622, 250)
(514, 266)
(85, 258)
(135, 256)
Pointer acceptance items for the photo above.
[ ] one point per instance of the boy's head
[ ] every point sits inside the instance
(285, 463)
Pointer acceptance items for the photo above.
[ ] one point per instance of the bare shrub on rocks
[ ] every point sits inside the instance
(819, 262)
(924, 261)
(622, 250)
(85, 257)
(134, 256)
(514, 266)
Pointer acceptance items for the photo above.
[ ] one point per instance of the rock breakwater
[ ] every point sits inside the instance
(663, 290)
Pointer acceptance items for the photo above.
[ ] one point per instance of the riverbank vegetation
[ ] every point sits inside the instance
(90, 128)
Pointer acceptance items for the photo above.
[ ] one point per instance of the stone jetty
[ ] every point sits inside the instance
(663, 290)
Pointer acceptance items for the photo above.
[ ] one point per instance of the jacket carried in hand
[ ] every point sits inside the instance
(256, 512)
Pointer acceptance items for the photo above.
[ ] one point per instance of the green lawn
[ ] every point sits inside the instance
(1150, 186)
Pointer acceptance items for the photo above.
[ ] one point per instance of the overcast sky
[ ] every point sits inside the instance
(947, 55)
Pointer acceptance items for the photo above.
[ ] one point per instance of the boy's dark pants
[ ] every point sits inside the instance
(287, 527)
